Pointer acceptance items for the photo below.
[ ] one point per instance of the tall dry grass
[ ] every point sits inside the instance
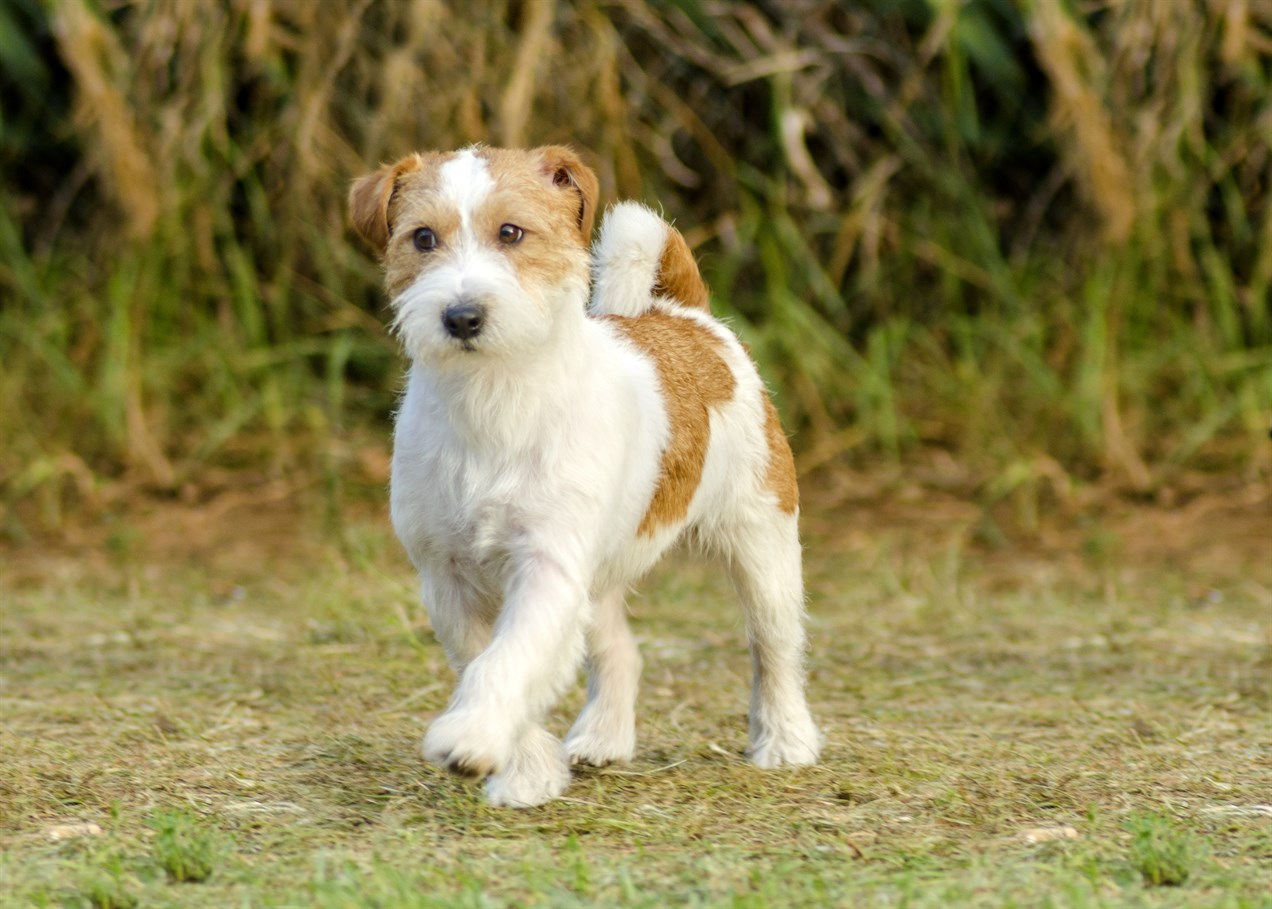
(1034, 234)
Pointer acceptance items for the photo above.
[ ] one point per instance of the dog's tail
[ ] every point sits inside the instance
(638, 258)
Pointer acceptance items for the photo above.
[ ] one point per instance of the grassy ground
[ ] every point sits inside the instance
(216, 708)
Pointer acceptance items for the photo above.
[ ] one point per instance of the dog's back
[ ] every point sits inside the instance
(647, 284)
(726, 470)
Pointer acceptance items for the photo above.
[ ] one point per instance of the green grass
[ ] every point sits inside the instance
(1165, 855)
(1053, 725)
(183, 849)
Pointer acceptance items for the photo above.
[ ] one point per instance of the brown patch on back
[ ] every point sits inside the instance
(780, 476)
(678, 276)
(694, 378)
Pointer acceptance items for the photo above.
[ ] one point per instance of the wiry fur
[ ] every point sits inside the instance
(625, 260)
(528, 457)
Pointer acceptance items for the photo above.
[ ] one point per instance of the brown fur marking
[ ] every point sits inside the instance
(370, 196)
(553, 176)
(780, 477)
(678, 275)
(694, 378)
(548, 192)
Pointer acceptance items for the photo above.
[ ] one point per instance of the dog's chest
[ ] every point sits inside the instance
(454, 505)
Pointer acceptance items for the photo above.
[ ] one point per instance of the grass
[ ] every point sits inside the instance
(236, 704)
(1165, 855)
(185, 851)
(1016, 247)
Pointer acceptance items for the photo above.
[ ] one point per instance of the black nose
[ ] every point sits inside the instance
(464, 320)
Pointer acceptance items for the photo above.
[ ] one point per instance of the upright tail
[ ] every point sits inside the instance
(638, 258)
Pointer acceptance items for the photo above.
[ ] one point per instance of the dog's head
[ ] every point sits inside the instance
(484, 249)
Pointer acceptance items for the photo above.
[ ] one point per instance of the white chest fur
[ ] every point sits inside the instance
(505, 466)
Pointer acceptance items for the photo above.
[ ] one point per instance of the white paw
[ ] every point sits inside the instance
(538, 773)
(468, 743)
(794, 743)
(600, 737)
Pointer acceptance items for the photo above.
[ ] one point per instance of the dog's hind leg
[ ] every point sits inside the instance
(462, 618)
(605, 730)
(764, 562)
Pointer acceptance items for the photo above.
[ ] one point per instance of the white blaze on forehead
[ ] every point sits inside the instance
(465, 181)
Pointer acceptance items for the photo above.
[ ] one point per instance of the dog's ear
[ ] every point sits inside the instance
(369, 199)
(567, 170)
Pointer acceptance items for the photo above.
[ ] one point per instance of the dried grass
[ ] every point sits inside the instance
(1079, 79)
(1005, 727)
(1059, 213)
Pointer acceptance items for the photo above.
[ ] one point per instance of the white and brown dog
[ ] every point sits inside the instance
(549, 450)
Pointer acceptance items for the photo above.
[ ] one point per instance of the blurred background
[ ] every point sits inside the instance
(1008, 247)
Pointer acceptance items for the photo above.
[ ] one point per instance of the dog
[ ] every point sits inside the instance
(569, 414)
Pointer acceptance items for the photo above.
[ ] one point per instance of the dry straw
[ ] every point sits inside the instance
(1079, 78)
(103, 110)
(1027, 233)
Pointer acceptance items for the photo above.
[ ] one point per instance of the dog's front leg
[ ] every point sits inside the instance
(492, 726)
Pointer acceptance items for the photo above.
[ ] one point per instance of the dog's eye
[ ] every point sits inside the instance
(510, 234)
(425, 239)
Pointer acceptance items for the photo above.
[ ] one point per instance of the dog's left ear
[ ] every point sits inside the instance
(567, 170)
(369, 199)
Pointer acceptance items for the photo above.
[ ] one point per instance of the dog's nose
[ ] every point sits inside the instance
(463, 320)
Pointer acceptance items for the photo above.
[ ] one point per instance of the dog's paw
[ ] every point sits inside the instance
(538, 773)
(467, 743)
(599, 738)
(794, 744)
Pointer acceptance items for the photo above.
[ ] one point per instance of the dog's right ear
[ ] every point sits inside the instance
(369, 199)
